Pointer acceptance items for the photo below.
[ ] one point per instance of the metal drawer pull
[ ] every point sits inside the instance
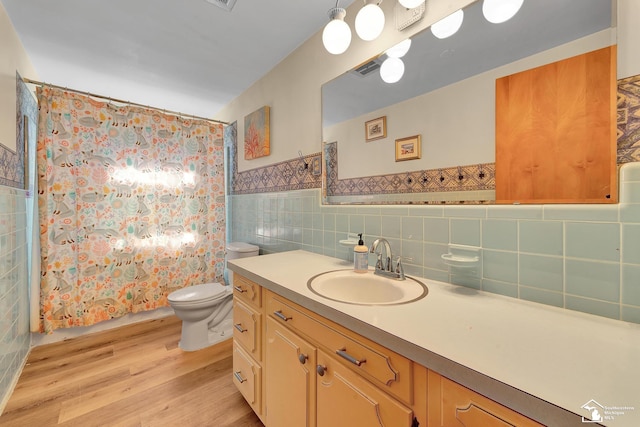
(321, 370)
(281, 316)
(238, 326)
(343, 353)
(239, 289)
(239, 377)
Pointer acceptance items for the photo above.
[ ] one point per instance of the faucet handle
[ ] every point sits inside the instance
(379, 261)
(399, 268)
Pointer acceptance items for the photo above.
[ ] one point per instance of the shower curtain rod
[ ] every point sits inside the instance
(108, 98)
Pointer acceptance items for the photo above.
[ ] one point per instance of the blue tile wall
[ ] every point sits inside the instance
(14, 281)
(579, 257)
(14, 298)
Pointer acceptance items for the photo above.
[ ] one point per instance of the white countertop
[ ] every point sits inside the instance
(562, 357)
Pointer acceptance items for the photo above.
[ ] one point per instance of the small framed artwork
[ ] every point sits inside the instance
(408, 148)
(256, 134)
(375, 129)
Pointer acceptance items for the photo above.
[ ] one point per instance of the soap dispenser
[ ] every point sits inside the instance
(360, 256)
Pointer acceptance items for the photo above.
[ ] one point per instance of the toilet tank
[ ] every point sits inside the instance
(237, 250)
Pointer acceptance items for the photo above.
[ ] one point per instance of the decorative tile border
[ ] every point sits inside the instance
(628, 119)
(460, 178)
(12, 162)
(8, 169)
(284, 176)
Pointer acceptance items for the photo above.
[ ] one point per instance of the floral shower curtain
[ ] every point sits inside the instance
(131, 205)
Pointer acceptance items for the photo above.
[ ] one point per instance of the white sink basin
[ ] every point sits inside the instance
(366, 288)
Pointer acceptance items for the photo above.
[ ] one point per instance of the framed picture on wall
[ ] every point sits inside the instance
(408, 148)
(375, 129)
(257, 134)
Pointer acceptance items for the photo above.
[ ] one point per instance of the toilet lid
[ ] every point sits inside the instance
(241, 247)
(205, 291)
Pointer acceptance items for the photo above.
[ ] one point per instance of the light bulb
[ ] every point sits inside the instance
(410, 4)
(448, 26)
(399, 50)
(336, 36)
(369, 22)
(499, 11)
(392, 70)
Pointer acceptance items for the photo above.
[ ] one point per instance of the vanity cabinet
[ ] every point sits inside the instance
(556, 132)
(319, 374)
(248, 346)
(453, 405)
(297, 368)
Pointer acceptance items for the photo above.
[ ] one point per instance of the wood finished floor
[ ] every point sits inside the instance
(131, 376)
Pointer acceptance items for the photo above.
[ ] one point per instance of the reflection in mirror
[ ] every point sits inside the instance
(446, 96)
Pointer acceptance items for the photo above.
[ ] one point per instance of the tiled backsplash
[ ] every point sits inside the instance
(580, 257)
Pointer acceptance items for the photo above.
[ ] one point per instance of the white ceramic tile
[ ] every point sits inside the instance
(630, 192)
(581, 212)
(597, 241)
(515, 212)
(630, 172)
(500, 234)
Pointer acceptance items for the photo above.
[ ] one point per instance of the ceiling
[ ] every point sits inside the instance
(182, 55)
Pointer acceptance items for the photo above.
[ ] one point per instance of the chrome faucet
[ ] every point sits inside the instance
(384, 265)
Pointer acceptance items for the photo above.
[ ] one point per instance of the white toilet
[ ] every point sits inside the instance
(206, 310)
(206, 314)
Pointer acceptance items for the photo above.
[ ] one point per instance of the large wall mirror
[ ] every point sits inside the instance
(447, 97)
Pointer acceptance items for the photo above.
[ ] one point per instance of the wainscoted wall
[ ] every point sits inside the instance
(580, 257)
(14, 283)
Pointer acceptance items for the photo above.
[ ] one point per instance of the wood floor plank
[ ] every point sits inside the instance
(143, 377)
(133, 376)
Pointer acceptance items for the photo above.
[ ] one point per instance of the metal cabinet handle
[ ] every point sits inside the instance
(279, 314)
(343, 353)
(239, 377)
(238, 326)
(302, 358)
(239, 289)
(321, 370)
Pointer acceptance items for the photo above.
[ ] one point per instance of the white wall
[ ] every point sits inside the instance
(13, 57)
(292, 88)
(456, 122)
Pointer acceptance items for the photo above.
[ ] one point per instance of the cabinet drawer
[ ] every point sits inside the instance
(247, 328)
(247, 376)
(386, 369)
(247, 291)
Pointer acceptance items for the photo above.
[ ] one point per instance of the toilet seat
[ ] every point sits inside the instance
(198, 294)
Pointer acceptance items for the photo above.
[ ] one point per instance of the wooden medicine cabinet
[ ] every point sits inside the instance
(556, 132)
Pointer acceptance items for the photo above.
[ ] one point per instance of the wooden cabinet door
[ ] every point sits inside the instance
(344, 399)
(556, 132)
(453, 405)
(290, 378)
